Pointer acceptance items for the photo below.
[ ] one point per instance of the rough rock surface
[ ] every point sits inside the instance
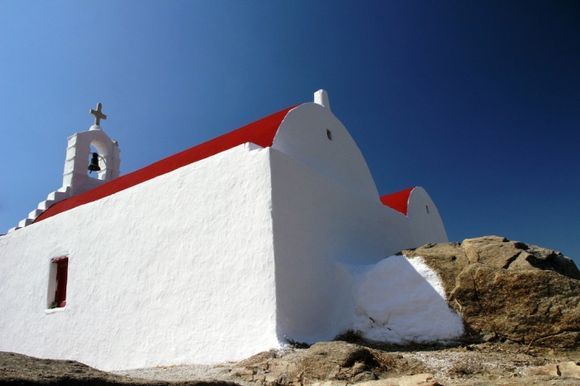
(329, 364)
(508, 290)
(342, 363)
(18, 369)
(569, 369)
(323, 362)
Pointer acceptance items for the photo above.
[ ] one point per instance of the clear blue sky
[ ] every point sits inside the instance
(479, 102)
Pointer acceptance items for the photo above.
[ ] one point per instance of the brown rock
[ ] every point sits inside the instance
(563, 369)
(509, 290)
(324, 362)
(495, 251)
(569, 369)
(406, 380)
(448, 259)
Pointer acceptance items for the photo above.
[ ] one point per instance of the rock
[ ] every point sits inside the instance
(568, 369)
(406, 380)
(324, 362)
(508, 290)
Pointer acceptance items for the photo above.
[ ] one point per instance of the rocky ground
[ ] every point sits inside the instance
(341, 363)
(329, 363)
(520, 305)
(17, 369)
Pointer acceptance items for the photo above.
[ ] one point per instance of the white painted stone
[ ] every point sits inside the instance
(44, 205)
(35, 213)
(24, 222)
(56, 196)
(400, 300)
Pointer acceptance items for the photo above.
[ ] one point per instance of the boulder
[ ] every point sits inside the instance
(324, 363)
(508, 290)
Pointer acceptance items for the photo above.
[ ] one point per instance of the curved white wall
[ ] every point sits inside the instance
(317, 225)
(302, 135)
(424, 219)
(327, 213)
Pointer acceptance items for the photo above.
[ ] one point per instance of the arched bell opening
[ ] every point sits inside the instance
(97, 161)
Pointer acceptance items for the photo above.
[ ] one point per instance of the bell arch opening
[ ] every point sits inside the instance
(97, 161)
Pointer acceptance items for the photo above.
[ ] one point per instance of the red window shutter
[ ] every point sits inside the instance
(61, 279)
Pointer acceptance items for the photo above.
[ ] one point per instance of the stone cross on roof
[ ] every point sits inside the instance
(98, 114)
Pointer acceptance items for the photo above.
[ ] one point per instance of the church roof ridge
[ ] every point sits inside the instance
(398, 201)
(260, 132)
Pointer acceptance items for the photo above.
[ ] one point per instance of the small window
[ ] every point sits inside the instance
(427, 209)
(329, 134)
(58, 281)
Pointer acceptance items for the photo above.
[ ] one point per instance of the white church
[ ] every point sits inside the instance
(231, 247)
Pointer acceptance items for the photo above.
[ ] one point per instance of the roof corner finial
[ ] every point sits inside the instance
(98, 114)
(321, 98)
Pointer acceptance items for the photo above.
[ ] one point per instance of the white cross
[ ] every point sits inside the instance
(98, 114)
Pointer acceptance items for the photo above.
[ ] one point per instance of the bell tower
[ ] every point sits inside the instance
(92, 158)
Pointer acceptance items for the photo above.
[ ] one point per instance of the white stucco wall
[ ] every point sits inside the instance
(327, 215)
(400, 300)
(424, 219)
(303, 136)
(215, 261)
(78, 153)
(318, 224)
(178, 269)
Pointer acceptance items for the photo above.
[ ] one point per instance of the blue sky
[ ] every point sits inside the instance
(478, 102)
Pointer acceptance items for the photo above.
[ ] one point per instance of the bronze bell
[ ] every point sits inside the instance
(94, 165)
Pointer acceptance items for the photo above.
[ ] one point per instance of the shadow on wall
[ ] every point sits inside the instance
(400, 300)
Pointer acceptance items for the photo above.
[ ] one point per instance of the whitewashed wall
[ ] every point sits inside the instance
(326, 210)
(214, 261)
(178, 269)
(317, 223)
(302, 135)
(424, 219)
(327, 213)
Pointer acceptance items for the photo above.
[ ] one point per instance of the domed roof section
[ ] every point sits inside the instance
(310, 133)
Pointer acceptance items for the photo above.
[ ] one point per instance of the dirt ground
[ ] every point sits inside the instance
(475, 364)
(328, 363)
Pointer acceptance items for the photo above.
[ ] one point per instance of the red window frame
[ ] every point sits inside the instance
(61, 267)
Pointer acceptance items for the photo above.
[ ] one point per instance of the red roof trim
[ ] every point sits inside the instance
(261, 133)
(399, 201)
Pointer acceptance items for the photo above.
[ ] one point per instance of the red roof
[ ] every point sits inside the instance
(399, 201)
(261, 133)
